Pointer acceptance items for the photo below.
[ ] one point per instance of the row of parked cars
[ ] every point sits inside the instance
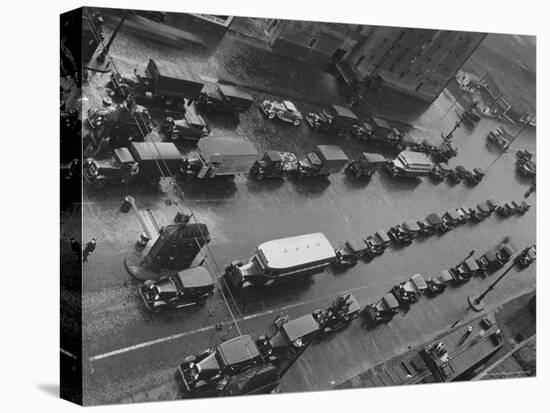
(441, 172)
(408, 292)
(404, 234)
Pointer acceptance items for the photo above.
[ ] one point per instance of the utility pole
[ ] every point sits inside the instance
(476, 303)
(449, 136)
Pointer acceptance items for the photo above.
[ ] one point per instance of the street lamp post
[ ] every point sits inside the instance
(476, 303)
(449, 136)
(99, 62)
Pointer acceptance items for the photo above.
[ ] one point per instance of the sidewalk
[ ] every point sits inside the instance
(516, 323)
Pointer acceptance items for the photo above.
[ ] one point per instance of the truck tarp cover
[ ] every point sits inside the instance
(332, 156)
(235, 154)
(343, 117)
(237, 96)
(154, 155)
(174, 79)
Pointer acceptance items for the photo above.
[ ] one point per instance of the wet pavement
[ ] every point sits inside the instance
(132, 355)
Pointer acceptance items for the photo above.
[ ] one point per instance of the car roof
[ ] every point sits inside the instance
(374, 157)
(357, 244)
(434, 218)
(238, 349)
(289, 105)
(445, 275)
(232, 91)
(390, 300)
(195, 277)
(383, 235)
(412, 225)
(471, 263)
(300, 327)
(124, 155)
(419, 281)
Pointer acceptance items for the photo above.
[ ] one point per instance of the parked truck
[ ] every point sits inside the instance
(335, 118)
(169, 83)
(217, 97)
(323, 161)
(146, 161)
(220, 156)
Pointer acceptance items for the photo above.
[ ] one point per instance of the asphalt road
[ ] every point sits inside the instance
(131, 355)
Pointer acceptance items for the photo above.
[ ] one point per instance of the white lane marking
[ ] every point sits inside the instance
(211, 327)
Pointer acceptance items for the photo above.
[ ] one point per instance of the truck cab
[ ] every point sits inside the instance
(274, 164)
(120, 168)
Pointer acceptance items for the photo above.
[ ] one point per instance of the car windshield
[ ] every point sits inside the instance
(289, 106)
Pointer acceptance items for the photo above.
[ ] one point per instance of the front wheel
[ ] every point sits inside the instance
(271, 115)
(297, 122)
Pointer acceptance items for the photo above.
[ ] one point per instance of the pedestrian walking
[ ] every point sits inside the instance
(75, 246)
(90, 247)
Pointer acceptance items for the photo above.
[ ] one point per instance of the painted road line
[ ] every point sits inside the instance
(71, 355)
(213, 326)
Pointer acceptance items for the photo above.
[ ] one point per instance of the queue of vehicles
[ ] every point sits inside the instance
(408, 292)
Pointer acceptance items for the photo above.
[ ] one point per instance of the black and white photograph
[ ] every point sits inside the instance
(263, 205)
(279, 206)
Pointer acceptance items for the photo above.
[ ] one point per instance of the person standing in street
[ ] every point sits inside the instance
(90, 247)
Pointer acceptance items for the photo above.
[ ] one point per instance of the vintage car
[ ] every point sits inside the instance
(439, 172)
(206, 371)
(412, 228)
(351, 252)
(458, 174)
(408, 292)
(439, 283)
(399, 236)
(383, 310)
(480, 212)
(492, 204)
(444, 152)
(431, 224)
(522, 207)
(527, 256)
(377, 243)
(505, 252)
(489, 262)
(475, 176)
(527, 168)
(464, 214)
(452, 217)
(192, 127)
(186, 288)
(363, 131)
(338, 315)
(285, 111)
(498, 137)
(466, 269)
(524, 154)
(506, 210)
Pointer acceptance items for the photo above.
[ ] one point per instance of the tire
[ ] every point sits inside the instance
(297, 122)
(271, 115)
(174, 136)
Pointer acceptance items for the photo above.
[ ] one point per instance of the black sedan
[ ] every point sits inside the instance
(184, 289)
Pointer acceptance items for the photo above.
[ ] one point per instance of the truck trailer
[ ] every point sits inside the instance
(323, 161)
(221, 156)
